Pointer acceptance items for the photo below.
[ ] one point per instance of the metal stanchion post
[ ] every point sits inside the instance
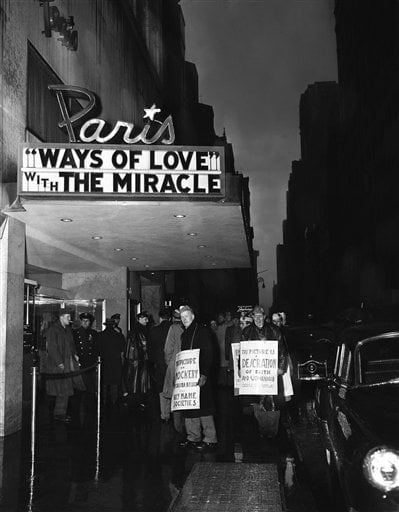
(34, 393)
(33, 436)
(98, 418)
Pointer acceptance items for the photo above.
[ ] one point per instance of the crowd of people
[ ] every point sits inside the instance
(140, 369)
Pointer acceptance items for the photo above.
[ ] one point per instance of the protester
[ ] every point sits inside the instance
(266, 408)
(172, 347)
(199, 423)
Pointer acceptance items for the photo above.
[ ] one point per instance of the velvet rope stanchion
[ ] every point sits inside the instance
(68, 374)
(33, 436)
(98, 418)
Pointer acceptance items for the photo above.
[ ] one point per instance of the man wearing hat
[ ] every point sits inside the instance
(266, 409)
(61, 359)
(85, 339)
(117, 318)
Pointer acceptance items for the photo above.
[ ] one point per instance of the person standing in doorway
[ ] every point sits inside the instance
(111, 346)
(62, 358)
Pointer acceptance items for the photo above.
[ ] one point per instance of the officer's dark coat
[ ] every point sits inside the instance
(86, 346)
(198, 336)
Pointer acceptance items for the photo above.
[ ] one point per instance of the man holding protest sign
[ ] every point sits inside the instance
(193, 370)
(264, 367)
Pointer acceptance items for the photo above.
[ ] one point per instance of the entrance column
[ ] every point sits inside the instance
(12, 271)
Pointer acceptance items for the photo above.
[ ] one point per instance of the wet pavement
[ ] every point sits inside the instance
(134, 463)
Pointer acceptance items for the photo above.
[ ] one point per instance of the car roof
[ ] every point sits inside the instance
(352, 335)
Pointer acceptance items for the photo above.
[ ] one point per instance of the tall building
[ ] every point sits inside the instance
(303, 258)
(112, 180)
(353, 157)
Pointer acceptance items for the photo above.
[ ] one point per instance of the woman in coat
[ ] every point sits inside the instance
(136, 373)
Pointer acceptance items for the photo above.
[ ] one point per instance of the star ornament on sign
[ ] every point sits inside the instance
(151, 112)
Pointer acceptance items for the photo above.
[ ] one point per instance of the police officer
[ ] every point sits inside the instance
(85, 339)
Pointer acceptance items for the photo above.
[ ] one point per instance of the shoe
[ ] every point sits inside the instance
(64, 418)
(205, 447)
(186, 445)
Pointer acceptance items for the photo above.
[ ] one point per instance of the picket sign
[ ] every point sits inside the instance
(186, 393)
(258, 367)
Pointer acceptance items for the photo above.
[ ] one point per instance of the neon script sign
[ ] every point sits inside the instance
(95, 130)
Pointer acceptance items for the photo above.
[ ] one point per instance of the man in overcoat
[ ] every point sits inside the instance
(62, 358)
(111, 346)
(200, 425)
(86, 346)
(156, 358)
(264, 407)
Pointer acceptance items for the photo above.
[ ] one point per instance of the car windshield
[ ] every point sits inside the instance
(379, 360)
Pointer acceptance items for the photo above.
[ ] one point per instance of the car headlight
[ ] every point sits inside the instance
(381, 468)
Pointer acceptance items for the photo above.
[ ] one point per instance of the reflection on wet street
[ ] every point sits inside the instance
(135, 463)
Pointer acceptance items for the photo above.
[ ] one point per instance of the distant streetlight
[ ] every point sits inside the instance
(260, 279)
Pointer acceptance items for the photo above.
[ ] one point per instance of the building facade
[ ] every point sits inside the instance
(94, 249)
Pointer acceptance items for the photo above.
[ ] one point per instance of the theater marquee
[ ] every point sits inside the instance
(62, 170)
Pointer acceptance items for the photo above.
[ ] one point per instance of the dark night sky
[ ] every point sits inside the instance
(254, 59)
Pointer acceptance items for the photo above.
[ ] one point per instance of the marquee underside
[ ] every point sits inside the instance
(138, 235)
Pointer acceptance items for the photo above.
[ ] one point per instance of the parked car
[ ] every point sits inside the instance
(358, 413)
(312, 350)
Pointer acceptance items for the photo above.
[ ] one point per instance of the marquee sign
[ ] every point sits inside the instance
(60, 170)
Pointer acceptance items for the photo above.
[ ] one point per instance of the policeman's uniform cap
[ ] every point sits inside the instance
(115, 316)
(143, 314)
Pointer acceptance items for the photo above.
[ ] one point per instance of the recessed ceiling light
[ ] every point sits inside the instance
(214, 264)
(192, 234)
(134, 259)
(201, 246)
(66, 220)
(179, 216)
(118, 249)
(97, 237)
(147, 266)
(153, 273)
